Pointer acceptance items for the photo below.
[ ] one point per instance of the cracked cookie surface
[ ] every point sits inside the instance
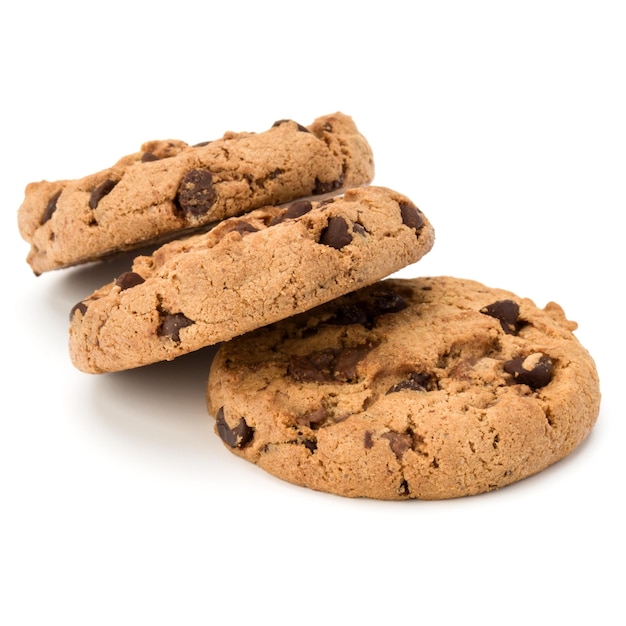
(425, 388)
(170, 188)
(246, 272)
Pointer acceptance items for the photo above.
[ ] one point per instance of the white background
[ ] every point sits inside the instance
(504, 122)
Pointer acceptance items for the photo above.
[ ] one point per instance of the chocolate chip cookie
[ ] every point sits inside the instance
(427, 388)
(170, 188)
(245, 273)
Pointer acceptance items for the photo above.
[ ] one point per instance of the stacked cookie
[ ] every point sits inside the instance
(329, 374)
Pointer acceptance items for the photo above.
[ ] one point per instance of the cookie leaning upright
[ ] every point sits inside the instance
(169, 188)
(245, 273)
(426, 388)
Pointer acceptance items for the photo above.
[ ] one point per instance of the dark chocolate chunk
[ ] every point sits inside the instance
(237, 437)
(149, 156)
(310, 445)
(100, 191)
(399, 442)
(383, 302)
(357, 313)
(79, 306)
(51, 207)
(411, 216)
(368, 442)
(297, 209)
(243, 227)
(196, 193)
(336, 234)
(539, 374)
(201, 144)
(326, 187)
(128, 280)
(367, 311)
(507, 313)
(359, 228)
(345, 363)
(325, 203)
(301, 128)
(171, 325)
(416, 381)
(313, 419)
(331, 365)
(315, 367)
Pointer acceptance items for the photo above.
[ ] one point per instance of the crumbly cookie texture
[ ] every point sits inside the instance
(246, 272)
(427, 388)
(170, 188)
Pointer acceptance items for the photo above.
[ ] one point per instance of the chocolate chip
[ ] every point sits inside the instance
(336, 234)
(196, 193)
(201, 144)
(383, 302)
(411, 217)
(237, 437)
(301, 128)
(368, 442)
(357, 313)
(243, 228)
(399, 442)
(148, 156)
(315, 367)
(100, 191)
(80, 306)
(367, 311)
(51, 207)
(326, 187)
(313, 419)
(535, 370)
(507, 312)
(297, 209)
(128, 280)
(310, 445)
(330, 365)
(416, 381)
(171, 325)
(345, 364)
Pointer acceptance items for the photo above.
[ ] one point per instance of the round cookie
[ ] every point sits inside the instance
(170, 188)
(427, 388)
(245, 273)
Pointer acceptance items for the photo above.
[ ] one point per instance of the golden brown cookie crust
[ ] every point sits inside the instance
(169, 188)
(246, 272)
(427, 388)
